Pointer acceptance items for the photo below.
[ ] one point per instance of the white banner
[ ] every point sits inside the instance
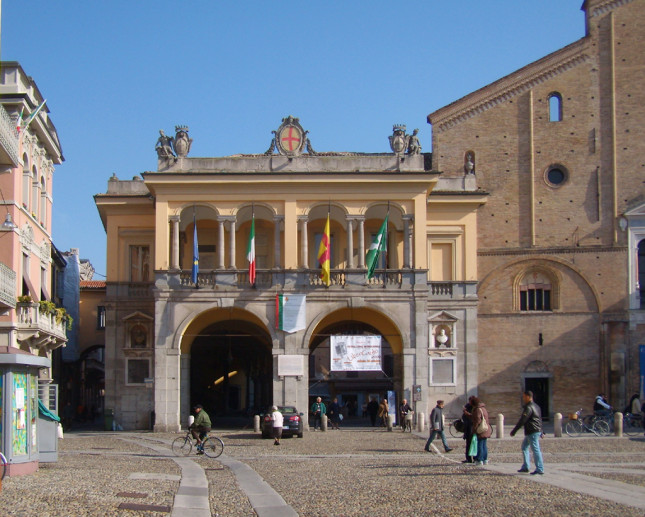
(355, 353)
(290, 312)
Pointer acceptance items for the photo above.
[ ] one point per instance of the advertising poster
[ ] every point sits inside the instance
(355, 353)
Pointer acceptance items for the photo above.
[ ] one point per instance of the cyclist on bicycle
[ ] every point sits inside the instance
(601, 407)
(201, 426)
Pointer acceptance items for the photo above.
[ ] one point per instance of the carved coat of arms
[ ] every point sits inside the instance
(399, 140)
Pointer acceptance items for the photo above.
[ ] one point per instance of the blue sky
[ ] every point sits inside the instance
(116, 72)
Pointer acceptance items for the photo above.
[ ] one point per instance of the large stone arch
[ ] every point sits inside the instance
(354, 388)
(226, 363)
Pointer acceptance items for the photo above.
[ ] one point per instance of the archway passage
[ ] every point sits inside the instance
(355, 389)
(231, 370)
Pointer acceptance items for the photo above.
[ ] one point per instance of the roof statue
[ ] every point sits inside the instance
(169, 147)
(401, 142)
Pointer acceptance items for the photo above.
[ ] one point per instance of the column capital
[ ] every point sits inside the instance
(174, 218)
(408, 217)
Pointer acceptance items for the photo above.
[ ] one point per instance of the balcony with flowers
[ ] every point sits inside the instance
(41, 325)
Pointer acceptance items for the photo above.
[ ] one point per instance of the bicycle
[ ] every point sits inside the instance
(407, 421)
(456, 428)
(3, 466)
(632, 424)
(211, 446)
(577, 425)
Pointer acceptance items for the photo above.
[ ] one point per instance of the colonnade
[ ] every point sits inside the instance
(278, 220)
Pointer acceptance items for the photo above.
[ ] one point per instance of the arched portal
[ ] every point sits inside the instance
(353, 388)
(226, 365)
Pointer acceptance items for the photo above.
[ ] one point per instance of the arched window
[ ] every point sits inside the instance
(555, 107)
(536, 292)
(43, 201)
(26, 182)
(35, 194)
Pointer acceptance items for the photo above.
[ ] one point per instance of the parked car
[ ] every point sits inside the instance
(292, 422)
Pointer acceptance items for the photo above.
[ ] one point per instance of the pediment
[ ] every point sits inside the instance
(637, 211)
(443, 317)
(137, 316)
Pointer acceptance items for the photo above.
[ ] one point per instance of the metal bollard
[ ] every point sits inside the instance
(323, 423)
(256, 424)
(390, 422)
(618, 424)
(557, 425)
(499, 432)
(421, 424)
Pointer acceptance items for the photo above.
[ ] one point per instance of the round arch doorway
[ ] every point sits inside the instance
(231, 371)
(355, 389)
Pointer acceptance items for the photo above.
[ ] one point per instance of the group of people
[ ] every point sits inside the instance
(477, 428)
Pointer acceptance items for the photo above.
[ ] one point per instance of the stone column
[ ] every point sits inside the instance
(220, 244)
(232, 244)
(277, 228)
(350, 242)
(174, 219)
(361, 242)
(304, 239)
(407, 241)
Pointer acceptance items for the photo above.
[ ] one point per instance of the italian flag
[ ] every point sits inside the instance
(250, 252)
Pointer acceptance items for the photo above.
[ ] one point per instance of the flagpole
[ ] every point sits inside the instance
(387, 223)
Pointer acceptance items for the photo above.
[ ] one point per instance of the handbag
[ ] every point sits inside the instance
(483, 426)
(472, 450)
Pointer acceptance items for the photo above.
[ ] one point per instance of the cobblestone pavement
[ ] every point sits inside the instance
(355, 472)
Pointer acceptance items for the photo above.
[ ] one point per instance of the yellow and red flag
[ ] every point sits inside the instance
(324, 254)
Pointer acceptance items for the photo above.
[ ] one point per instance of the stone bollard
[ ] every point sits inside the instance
(390, 422)
(557, 425)
(421, 422)
(256, 423)
(323, 423)
(618, 424)
(499, 433)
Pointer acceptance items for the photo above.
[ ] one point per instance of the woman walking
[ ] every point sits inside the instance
(481, 427)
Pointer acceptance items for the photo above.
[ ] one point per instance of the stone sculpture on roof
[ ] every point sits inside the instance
(290, 139)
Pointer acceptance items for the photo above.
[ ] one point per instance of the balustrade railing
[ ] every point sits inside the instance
(227, 279)
(30, 317)
(8, 135)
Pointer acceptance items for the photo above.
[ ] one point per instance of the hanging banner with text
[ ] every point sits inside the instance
(290, 312)
(355, 353)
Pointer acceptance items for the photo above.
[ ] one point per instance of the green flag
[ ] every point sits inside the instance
(376, 247)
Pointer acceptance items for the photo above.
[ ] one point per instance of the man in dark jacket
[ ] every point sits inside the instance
(436, 427)
(531, 420)
(201, 427)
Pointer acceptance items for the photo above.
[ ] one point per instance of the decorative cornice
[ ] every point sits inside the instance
(510, 86)
(551, 251)
(608, 5)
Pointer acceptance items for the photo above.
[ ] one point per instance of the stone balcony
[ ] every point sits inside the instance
(38, 330)
(309, 280)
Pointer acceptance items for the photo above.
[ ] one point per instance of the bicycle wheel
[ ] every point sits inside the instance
(3, 466)
(213, 447)
(182, 446)
(573, 428)
(601, 427)
(631, 425)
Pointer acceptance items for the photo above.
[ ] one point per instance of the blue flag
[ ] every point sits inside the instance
(195, 253)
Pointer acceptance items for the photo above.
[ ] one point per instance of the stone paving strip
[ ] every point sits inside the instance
(351, 473)
(193, 491)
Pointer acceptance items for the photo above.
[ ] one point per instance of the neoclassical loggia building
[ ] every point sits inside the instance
(172, 342)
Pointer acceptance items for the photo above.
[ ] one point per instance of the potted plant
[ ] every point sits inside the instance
(25, 298)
